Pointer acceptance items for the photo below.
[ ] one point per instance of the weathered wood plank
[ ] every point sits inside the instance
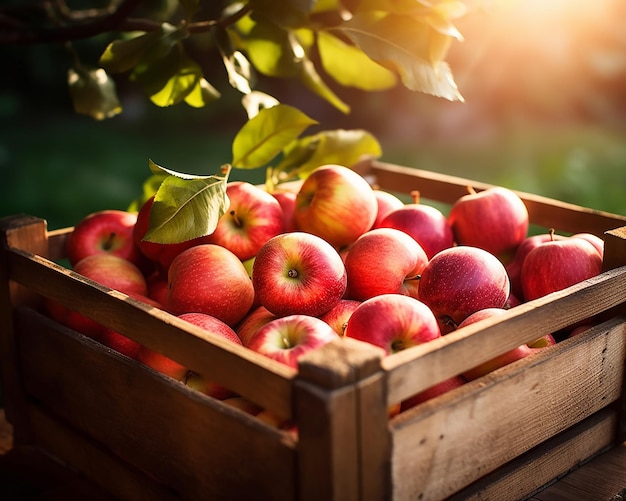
(530, 472)
(411, 371)
(513, 409)
(262, 380)
(200, 447)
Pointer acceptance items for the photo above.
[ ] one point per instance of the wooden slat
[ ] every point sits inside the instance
(543, 211)
(602, 478)
(264, 381)
(411, 371)
(93, 461)
(505, 413)
(56, 243)
(200, 447)
(552, 459)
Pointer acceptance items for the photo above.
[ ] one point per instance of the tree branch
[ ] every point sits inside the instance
(24, 36)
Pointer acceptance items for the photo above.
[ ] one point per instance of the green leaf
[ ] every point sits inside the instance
(313, 81)
(93, 93)
(123, 55)
(150, 187)
(191, 7)
(343, 147)
(271, 50)
(288, 13)
(255, 101)
(238, 68)
(186, 78)
(389, 6)
(349, 66)
(264, 136)
(202, 94)
(403, 44)
(187, 207)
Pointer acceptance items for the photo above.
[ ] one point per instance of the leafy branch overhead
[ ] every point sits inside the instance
(364, 44)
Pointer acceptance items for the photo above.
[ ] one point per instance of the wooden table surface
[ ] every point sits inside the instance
(26, 473)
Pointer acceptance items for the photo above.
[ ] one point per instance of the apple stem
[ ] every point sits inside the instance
(235, 218)
(551, 232)
(286, 342)
(416, 277)
(109, 242)
(471, 190)
(415, 195)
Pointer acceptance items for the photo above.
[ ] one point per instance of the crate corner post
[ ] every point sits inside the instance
(30, 234)
(342, 414)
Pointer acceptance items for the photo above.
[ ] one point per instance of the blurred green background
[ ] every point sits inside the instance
(544, 112)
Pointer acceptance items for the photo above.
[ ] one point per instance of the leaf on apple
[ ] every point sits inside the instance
(186, 206)
(263, 137)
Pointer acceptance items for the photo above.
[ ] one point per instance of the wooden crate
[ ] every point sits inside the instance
(142, 435)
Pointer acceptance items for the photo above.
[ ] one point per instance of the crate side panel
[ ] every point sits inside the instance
(512, 409)
(191, 442)
(266, 382)
(546, 462)
(114, 475)
(411, 371)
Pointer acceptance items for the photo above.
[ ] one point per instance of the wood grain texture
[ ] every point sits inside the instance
(198, 446)
(553, 459)
(264, 381)
(414, 370)
(442, 446)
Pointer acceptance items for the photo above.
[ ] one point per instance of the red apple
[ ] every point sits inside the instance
(119, 342)
(461, 280)
(298, 273)
(432, 392)
(114, 272)
(73, 319)
(286, 339)
(102, 232)
(160, 254)
(336, 204)
(210, 279)
(161, 363)
(253, 217)
(157, 286)
(425, 223)
(387, 202)
(558, 264)
(393, 322)
(594, 240)
(337, 317)
(384, 261)
(253, 321)
(514, 267)
(495, 220)
(287, 200)
(501, 360)
(215, 326)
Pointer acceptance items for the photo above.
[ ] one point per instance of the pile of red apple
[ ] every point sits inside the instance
(286, 272)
